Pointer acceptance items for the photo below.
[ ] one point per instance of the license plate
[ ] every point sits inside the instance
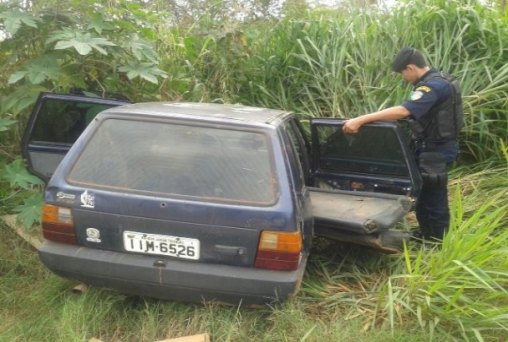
(174, 246)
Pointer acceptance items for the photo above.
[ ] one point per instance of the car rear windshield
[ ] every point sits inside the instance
(204, 163)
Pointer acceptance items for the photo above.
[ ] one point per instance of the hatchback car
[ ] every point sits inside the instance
(195, 202)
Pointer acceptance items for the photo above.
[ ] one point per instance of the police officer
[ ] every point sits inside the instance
(434, 111)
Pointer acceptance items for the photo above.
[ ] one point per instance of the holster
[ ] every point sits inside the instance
(433, 169)
(416, 128)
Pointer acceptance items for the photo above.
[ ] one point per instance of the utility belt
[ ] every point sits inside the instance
(432, 146)
(432, 163)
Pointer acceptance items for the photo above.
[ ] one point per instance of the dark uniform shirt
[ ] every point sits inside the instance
(422, 99)
(426, 96)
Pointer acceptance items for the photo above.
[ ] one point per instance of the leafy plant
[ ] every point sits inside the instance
(19, 178)
(17, 175)
(82, 42)
(14, 19)
(29, 213)
(5, 123)
(44, 51)
(62, 51)
(146, 71)
(38, 70)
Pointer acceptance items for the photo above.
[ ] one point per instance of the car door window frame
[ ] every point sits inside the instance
(300, 146)
(54, 148)
(413, 174)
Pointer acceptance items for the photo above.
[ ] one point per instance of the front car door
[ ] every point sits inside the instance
(57, 120)
(363, 184)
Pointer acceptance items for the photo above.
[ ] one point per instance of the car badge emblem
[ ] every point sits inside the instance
(87, 200)
(63, 197)
(93, 235)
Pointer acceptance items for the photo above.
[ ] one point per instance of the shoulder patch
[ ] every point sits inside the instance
(416, 95)
(425, 89)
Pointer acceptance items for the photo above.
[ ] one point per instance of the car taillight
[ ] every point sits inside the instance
(279, 250)
(57, 224)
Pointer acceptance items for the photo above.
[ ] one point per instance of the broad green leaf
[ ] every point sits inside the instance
(83, 43)
(18, 176)
(140, 48)
(29, 212)
(99, 24)
(12, 25)
(149, 77)
(64, 34)
(42, 69)
(5, 123)
(38, 70)
(146, 71)
(20, 99)
(18, 75)
(82, 48)
(13, 21)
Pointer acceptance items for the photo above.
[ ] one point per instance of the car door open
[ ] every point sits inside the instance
(376, 159)
(362, 184)
(55, 123)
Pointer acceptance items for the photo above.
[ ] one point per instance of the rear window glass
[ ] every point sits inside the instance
(205, 163)
(62, 121)
(373, 150)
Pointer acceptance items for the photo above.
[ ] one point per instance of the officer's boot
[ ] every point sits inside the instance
(438, 232)
(424, 224)
(424, 231)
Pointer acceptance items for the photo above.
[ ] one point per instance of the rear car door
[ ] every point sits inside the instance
(55, 123)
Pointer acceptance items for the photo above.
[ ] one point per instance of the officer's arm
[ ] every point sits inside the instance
(389, 114)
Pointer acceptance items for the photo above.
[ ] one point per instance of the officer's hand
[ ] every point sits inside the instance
(351, 126)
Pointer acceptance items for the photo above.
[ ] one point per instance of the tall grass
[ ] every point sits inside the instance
(453, 291)
(326, 63)
(459, 288)
(337, 63)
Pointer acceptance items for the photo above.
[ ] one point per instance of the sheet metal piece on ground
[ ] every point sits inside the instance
(194, 338)
(34, 237)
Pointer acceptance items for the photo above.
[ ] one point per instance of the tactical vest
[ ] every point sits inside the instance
(444, 121)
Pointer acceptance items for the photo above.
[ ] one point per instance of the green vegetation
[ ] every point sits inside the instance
(456, 292)
(318, 63)
(39, 306)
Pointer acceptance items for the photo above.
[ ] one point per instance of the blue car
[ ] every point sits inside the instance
(195, 201)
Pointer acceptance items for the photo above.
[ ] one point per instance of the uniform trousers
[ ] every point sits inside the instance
(432, 209)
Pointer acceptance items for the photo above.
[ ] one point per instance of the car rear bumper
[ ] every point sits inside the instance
(171, 279)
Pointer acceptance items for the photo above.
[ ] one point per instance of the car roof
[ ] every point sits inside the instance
(206, 111)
